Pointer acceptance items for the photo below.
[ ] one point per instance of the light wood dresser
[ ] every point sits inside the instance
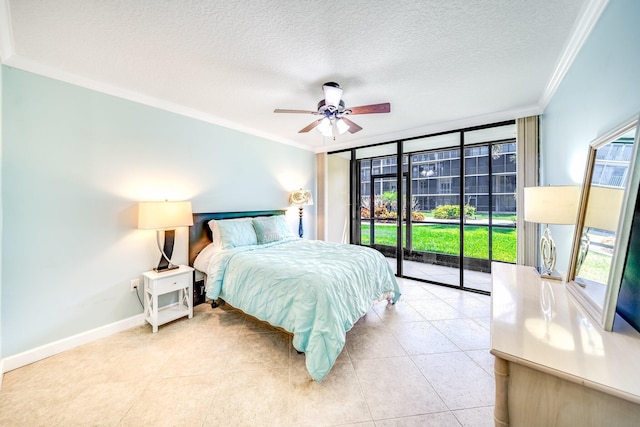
(554, 365)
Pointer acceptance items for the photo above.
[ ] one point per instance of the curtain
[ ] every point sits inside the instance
(527, 142)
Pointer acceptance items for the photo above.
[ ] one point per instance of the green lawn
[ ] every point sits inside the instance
(595, 267)
(443, 238)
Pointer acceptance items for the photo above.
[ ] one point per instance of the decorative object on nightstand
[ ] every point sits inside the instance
(300, 198)
(178, 280)
(550, 205)
(164, 216)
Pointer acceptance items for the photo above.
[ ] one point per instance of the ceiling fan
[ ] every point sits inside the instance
(332, 111)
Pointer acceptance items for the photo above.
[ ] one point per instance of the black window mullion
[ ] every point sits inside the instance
(371, 205)
(355, 190)
(408, 204)
(490, 203)
(461, 192)
(399, 183)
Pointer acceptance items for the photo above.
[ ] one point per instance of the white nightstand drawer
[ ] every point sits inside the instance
(168, 284)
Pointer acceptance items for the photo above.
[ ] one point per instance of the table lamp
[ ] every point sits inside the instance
(300, 198)
(164, 217)
(550, 205)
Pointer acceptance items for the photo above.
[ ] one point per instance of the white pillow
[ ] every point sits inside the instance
(203, 259)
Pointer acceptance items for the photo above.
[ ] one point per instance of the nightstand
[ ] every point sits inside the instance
(155, 284)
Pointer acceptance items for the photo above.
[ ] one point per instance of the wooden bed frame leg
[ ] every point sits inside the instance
(214, 304)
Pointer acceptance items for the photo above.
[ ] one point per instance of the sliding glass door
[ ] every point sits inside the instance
(380, 206)
(433, 248)
(441, 207)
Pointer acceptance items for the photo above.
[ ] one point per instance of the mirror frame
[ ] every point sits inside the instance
(605, 315)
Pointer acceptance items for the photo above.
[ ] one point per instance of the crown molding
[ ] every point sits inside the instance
(26, 64)
(587, 19)
(6, 32)
(9, 57)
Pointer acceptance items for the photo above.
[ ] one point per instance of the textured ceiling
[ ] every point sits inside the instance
(441, 64)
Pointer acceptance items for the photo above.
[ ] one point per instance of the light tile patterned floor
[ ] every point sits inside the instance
(423, 362)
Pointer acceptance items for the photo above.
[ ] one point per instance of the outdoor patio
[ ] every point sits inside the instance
(450, 276)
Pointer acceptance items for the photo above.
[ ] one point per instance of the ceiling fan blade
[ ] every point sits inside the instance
(310, 126)
(279, 110)
(371, 109)
(353, 128)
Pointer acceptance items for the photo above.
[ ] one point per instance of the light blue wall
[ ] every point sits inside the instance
(74, 164)
(600, 91)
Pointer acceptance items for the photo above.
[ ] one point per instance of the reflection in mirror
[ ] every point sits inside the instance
(594, 273)
(598, 238)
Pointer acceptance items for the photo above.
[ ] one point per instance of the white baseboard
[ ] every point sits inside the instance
(21, 359)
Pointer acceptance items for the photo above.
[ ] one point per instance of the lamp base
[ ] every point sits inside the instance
(300, 230)
(167, 268)
(546, 274)
(548, 254)
(166, 251)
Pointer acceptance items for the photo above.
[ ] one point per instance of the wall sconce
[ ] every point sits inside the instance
(164, 217)
(550, 205)
(300, 198)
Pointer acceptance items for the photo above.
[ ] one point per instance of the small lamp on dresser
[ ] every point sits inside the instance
(300, 198)
(550, 205)
(164, 217)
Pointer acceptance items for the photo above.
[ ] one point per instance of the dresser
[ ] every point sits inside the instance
(554, 366)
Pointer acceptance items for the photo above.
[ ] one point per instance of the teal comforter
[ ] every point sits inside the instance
(313, 289)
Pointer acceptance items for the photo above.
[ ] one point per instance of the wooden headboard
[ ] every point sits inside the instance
(200, 234)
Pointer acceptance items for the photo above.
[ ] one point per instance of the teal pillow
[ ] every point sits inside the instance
(237, 233)
(283, 226)
(267, 229)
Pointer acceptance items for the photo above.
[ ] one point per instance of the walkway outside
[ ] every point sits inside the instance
(441, 274)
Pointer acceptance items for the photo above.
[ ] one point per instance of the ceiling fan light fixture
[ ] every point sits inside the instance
(332, 94)
(325, 127)
(332, 112)
(342, 126)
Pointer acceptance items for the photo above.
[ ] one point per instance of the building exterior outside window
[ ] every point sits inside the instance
(435, 177)
(612, 163)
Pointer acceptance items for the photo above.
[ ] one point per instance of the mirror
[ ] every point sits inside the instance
(601, 235)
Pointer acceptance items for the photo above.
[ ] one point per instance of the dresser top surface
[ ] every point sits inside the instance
(537, 323)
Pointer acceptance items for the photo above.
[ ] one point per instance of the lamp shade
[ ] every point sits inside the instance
(551, 204)
(603, 208)
(325, 127)
(162, 215)
(300, 198)
(332, 94)
(342, 126)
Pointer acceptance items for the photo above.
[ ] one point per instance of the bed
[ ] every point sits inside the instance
(313, 289)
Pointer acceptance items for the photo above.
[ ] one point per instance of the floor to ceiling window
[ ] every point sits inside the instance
(447, 212)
